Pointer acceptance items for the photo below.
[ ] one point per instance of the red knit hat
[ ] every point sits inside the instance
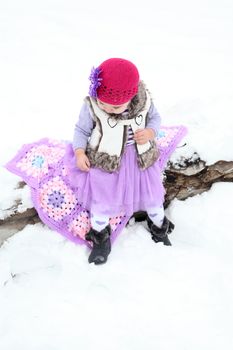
(115, 81)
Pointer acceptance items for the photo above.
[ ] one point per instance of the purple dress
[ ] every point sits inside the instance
(127, 190)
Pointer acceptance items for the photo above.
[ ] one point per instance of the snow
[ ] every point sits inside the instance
(147, 296)
(11, 195)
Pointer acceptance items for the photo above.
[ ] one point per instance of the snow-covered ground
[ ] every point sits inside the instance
(147, 296)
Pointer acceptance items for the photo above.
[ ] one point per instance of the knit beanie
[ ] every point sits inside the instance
(115, 81)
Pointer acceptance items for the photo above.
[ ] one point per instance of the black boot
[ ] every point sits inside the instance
(101, 245)
(160, 234)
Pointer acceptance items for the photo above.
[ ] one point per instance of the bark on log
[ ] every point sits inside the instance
(195, 179)
(184, 179)
(191, 178)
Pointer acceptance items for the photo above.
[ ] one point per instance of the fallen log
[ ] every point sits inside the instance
(198, 177)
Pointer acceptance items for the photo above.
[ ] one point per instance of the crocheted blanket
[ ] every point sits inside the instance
(42, 166)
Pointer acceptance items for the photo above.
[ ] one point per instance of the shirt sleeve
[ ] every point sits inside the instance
(153, 119)
(83, 128)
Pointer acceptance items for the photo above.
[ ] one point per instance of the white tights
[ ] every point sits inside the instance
(156, 214)
(100, 221)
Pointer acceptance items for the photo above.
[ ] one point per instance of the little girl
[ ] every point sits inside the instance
(115, 152)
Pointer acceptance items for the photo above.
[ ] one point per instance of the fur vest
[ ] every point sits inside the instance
(109, 136)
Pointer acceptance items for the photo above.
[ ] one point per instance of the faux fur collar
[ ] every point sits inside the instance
(138, 101)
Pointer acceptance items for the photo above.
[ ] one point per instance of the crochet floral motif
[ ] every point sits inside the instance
(36, 162)
(115, 221)
(57, 199)
(165, 137)
(80, 225)
(95, 81)
(161, 134)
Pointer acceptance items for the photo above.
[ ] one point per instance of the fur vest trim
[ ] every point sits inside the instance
(109, 136)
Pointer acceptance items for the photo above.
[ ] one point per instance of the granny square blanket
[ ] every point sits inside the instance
(42, 166)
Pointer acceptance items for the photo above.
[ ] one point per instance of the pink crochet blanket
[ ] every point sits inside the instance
(42, 166)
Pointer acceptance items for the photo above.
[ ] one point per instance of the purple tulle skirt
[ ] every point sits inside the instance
(128, 190)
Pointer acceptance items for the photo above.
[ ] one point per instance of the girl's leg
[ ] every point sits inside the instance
(99, 221)
(99, 235)
(159, 225)
(156, 214)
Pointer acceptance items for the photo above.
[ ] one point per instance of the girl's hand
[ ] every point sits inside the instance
(142, 136)
(82, 160)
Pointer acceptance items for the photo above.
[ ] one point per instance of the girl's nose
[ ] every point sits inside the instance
(109, 110)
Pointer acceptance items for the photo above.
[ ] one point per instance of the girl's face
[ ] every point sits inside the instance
(112, 108)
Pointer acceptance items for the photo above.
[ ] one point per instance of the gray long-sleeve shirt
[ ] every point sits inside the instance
(85, 124)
